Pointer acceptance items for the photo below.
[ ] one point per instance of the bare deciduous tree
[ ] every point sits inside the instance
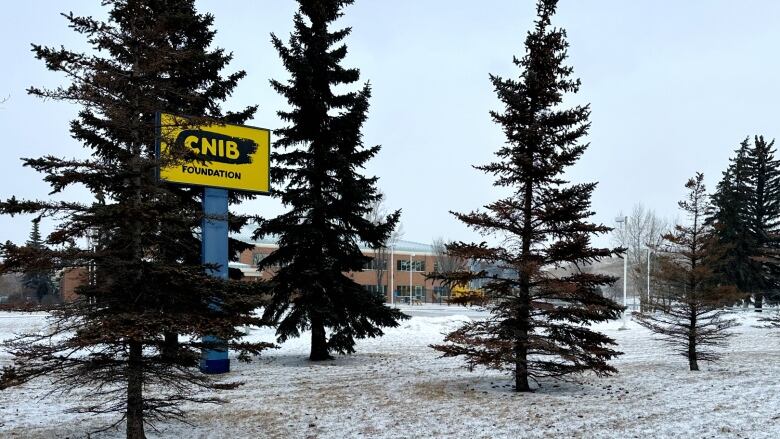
(11, 287)
(642, 230)
(446, 262)
(378, 214)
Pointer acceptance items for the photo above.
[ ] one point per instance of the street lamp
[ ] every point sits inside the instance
(391, 273)
(410, 278)
(648, 277)
(623, 221)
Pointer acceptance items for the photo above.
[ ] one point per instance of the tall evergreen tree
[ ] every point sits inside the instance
(328, 198)
(692, 322)
(39, 282)
(745, 214)
(147, 281)
(763, 220)
(727, 215)
(541, 225)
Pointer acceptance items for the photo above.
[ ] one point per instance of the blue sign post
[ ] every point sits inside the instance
(228, 157)
(215, 252)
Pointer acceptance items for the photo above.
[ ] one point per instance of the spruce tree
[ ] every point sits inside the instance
(745, 214)
(692, 321)
(763, 220)
(540, 321)
(727, 215)
(318, 174)
(146, 281)
(39, 282)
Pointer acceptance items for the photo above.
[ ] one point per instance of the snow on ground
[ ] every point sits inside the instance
(397, 387)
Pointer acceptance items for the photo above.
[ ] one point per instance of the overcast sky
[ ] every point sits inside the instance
(674, 87)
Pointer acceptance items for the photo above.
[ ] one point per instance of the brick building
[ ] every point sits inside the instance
(69, 280)
(388, 272)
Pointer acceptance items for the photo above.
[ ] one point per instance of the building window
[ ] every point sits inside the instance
(418, 293)
(258, 257)
(375, 264)
(381, 289)
(441, 291)
(403, 265)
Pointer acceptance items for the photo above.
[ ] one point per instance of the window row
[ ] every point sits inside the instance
(375, 264)
(258, 257)
(403, 290)
(403, 265)
(382, 289)
(372, 264)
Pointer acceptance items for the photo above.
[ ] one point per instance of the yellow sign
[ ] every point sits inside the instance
(215, 155)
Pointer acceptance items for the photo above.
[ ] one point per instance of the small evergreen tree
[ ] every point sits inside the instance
(540, 322)
(146, 282)
(328, 198)
(692, 322)
(39, 282)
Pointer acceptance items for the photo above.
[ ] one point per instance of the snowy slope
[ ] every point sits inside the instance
(396, 387)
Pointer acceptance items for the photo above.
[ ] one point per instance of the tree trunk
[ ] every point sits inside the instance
(692, 360)
(692, 357)
(759, 298)
(521, 343)
(524, 310)
(319, 345)
(521, 369)
(135, 415)
(170, 346)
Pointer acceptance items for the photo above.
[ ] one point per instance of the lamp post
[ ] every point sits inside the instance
(647, 300)
(410, 278)
(623, 221)
(391, 273)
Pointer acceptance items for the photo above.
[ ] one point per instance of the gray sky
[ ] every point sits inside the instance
(674, 87)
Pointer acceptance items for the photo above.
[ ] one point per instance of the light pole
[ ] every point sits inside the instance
(410, 278)
(647, 301)
(623, 221)
(391, 273)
